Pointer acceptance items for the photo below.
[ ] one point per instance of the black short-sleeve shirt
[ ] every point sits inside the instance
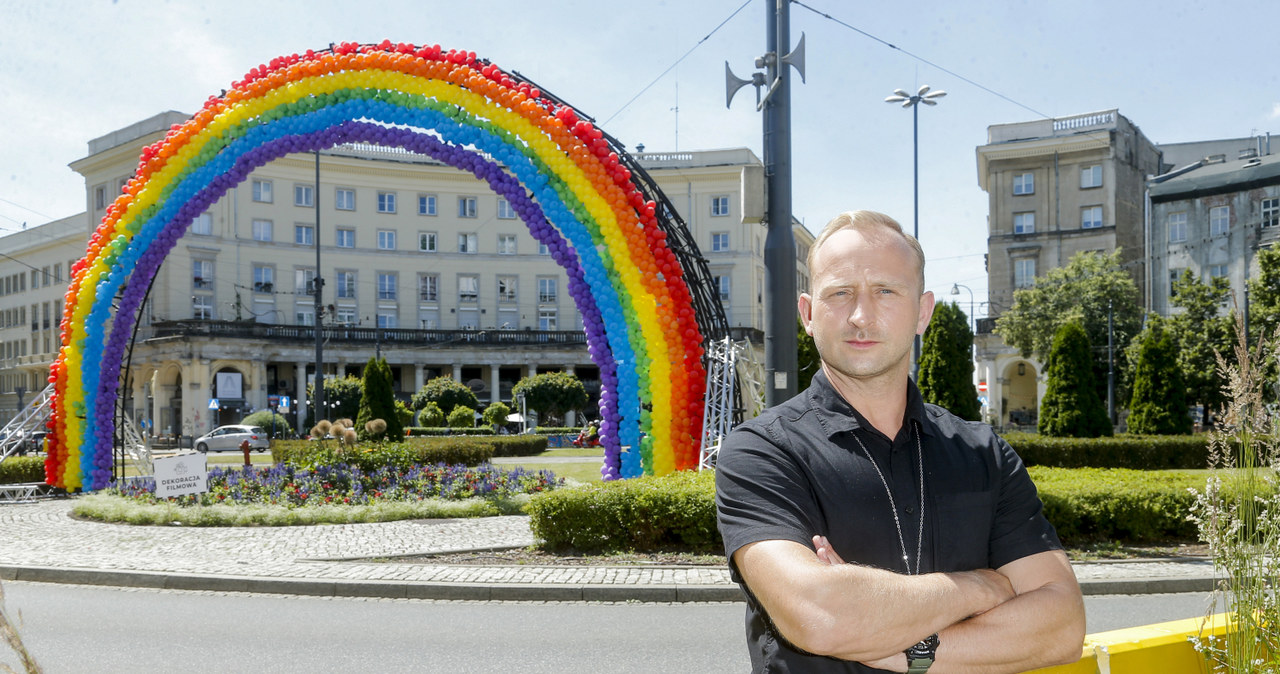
(798, 470)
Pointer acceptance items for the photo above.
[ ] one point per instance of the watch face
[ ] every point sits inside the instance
(925, 649)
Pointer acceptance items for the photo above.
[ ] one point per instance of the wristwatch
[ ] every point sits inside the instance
(920, 657)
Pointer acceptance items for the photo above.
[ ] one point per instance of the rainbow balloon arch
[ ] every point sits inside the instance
(643, 290)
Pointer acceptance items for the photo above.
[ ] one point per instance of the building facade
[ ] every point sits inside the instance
(1056, 187)
(1210, 217)
(420, 263)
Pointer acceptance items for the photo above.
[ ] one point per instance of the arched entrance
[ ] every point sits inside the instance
(1021, 402)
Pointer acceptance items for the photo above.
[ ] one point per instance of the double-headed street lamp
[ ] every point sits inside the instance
(923, 95)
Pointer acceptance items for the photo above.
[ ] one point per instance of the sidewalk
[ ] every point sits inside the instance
(39, 542)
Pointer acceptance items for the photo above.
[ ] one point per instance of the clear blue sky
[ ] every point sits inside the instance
(71, 71)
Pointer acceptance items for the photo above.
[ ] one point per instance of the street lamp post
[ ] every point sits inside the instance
(927, 97)
(955, 290)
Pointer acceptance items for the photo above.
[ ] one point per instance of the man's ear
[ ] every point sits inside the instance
(804, 306)
(926, 311)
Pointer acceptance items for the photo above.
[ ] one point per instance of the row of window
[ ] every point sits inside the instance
(388, 239)
(1025, 222)
(388, 284)
(548, 317)
(49, 275)
(1220, 220)
(1025, 183)
(344, 199)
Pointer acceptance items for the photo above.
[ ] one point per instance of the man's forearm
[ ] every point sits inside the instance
(1037, 629)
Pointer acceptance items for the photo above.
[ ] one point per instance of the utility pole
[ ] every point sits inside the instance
(1111, 368)
(317, 389)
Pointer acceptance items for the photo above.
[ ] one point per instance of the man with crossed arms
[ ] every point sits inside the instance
(951, 564)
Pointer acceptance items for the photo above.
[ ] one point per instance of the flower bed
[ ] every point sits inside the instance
(285, 485)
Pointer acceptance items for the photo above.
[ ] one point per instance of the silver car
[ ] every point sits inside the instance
(228, 439)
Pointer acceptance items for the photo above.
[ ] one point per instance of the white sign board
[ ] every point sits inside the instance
(182, 474)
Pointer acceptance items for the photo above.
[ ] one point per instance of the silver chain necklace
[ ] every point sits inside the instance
(893, 506)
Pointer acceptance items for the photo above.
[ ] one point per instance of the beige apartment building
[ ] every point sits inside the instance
(420, 262)
(1056, 187)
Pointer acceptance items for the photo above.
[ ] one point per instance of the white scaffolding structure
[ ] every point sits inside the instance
(22, 427)
(717, 411)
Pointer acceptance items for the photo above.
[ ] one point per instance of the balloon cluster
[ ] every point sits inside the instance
(559, 172)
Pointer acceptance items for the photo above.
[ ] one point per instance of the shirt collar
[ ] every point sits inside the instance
(836, 415)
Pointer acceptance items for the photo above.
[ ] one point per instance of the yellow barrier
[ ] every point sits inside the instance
(1162, 648)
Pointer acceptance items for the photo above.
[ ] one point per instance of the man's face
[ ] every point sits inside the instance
(866, 305)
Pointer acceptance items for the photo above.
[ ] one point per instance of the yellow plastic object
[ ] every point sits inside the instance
(1162, 648)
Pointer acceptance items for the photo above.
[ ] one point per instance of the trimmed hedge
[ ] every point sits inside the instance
(434, 431)
(1139, 452)
(470, 450)
(19, 469)
(641, 514)
(678, 511)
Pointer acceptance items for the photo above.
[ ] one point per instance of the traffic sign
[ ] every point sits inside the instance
(213, 404)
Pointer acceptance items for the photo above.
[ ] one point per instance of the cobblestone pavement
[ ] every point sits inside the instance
(40, 541)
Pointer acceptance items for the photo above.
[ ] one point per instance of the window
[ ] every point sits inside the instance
(1091, 176)
(468, 319)
(723, 285)
(203, 224)
(386, 286)
(345, 316)
(99, 198)
(1219, 220)
(505, 211)
(346, 285)
(386, 202)
(305, 317)
(427, 242)
(1024, 183)
(57, 273)
(506, 244)
(1218, 271)
(261, 230)
(388, 321)
(304, 235)
(1091, 217)
(720, 205)
(466, 207)
(264, 279)
(720, 242)
(345, 237)
(1270, 212)
(546, 290)
(386, 239)
(202, 274)
(467, 243)
(1024, 223)
(202, 307)
(428, 287)
(1174, 275)
(1024, 272)
(1177, 227)
(304, 196)
(507, 289)
(547, 319)
(542, 249)
(344, 199)
(304, 281)
(426, 204)
(262, 191)
(468, 288)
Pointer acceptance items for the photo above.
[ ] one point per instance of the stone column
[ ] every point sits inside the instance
(495, 386)
(457, 372)
(419, 377)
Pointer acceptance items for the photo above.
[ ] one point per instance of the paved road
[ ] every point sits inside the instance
(73, 628)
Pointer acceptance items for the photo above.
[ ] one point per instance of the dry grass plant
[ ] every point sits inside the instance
(1238, 514)
(11, 637)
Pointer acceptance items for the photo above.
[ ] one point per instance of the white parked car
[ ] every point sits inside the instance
(228, 439)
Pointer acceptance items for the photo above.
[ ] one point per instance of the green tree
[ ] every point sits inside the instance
(462, 417)
(446, 393)
(1080, 293)
(378, 402)
(496, 414)
(1159, 404)
(1071, 406)
(551, 394)
(807, 359)
(431, 416)
(345, 392)
(1264, 296)
(946, 363)
(1199, 333)
(276, 425)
